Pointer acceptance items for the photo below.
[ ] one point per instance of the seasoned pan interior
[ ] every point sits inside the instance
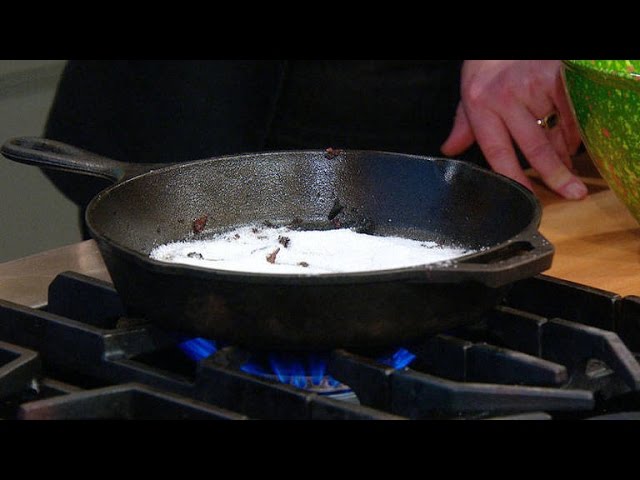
(447, 201)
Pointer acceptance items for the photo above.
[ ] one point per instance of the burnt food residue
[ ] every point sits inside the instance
(199, 223)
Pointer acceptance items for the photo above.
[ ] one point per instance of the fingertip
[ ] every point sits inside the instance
(461, 136)
(457, 142)
(574, 190)
(446, 148)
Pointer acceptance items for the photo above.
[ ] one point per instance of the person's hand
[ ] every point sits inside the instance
(501, 101)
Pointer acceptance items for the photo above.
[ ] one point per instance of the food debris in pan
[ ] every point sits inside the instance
(331, 153)
(271, 258)
(284, 241)
(199, 223)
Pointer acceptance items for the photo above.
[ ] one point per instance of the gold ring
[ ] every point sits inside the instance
(549, 121)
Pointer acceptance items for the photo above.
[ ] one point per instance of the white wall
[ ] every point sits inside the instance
(34, 216)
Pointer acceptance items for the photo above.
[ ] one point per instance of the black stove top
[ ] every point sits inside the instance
(552, 350)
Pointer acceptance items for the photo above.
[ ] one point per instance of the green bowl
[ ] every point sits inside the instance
(605, 98)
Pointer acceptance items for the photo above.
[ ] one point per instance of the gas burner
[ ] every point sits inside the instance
(303, 371)
(306, 371)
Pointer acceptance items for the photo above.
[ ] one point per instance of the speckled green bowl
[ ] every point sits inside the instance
(605, 97)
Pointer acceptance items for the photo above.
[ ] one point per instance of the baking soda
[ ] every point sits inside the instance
(282, 250)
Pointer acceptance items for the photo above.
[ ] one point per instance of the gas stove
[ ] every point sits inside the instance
(552, 350)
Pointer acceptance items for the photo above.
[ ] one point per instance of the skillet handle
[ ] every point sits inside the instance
(60, 156)
(524, 256)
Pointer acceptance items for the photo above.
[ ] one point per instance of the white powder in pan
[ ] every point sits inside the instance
(282, 250)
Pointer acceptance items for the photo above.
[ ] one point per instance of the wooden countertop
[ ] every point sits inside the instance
(597, 240)
(597, 243)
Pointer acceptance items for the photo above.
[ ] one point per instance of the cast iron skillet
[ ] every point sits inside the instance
(383, 193)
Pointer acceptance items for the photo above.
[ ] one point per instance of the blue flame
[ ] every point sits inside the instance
(318, 370)
(290, 369)
(255, 369)
(293, 369)
(198, 348)
(398, 359)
